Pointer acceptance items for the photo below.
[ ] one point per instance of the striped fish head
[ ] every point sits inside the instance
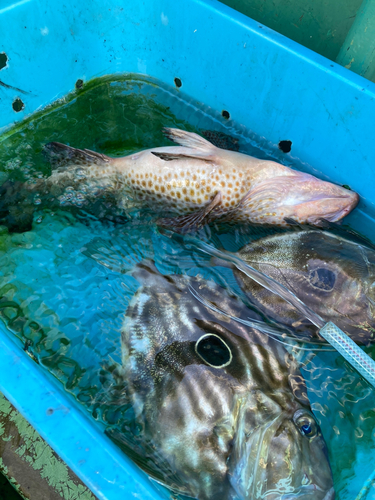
(202, 387)
(331, 274)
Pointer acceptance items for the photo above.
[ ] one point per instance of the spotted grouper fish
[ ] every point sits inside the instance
(201, 183)
(332, 273)
(222, 406)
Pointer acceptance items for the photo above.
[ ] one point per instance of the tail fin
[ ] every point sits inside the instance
(61, 155)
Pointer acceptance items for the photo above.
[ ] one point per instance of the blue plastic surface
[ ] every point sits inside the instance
(271, 85)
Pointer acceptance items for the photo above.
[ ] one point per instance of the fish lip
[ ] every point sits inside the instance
(331, 217)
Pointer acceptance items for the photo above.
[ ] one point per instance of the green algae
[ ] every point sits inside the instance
(36, 453)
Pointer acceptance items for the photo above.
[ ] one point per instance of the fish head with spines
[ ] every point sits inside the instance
(217, 400)
(331, 274)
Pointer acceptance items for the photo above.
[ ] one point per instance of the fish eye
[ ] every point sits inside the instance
(213, 350)
(305, 423)
(322, 278)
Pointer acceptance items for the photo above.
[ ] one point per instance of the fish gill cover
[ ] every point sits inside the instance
(66, 282)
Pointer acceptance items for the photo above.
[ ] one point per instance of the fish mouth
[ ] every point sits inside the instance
(342, 206)
(338, 215)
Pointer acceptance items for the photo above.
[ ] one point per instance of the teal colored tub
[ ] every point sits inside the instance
(275, 88)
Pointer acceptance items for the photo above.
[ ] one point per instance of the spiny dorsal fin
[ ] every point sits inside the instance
(61, 155)
(189, 140)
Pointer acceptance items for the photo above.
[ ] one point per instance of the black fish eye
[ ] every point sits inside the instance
(305, 423)
(306, 429)
(213, 350)
(322, 278)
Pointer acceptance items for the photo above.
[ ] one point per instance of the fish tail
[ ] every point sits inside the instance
(61, 156)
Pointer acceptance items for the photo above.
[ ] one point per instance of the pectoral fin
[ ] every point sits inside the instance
(148, 459)
(191, 222)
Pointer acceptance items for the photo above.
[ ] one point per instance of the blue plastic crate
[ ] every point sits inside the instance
(271, 85)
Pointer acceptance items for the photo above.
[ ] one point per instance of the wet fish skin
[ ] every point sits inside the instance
(333, 275)
(229, 424)
(186, 178)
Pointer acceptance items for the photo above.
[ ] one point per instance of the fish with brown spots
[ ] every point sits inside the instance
(200, 182)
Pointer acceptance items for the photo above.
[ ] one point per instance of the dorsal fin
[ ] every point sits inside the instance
(189, 140)
(179, 156)
(61, 155)
(222, 140)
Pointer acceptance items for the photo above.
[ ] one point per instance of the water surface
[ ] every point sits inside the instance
(67, 308)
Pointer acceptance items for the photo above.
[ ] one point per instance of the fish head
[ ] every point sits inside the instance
(309, 199)
(288, 457)
(213, 395)
(333, 275)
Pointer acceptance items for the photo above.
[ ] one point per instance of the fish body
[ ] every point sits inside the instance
(223, 405)
(202, 182)
(331, 274)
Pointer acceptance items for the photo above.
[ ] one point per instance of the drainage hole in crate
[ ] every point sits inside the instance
(18, 105)
(3, 60)
(79, 84)
(178, 82)
(225, 114)
(285, 146)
